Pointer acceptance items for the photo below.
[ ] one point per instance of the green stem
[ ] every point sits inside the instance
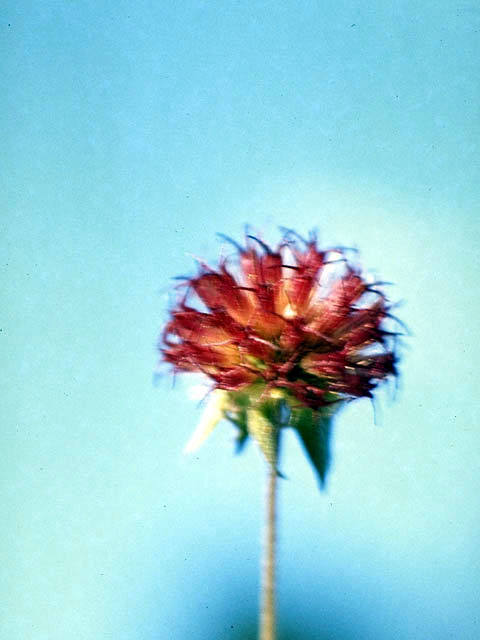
(267, 612)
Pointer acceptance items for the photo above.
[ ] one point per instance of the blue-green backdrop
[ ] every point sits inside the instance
(132, 132)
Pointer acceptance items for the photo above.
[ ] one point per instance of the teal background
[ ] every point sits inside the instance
(131, 134)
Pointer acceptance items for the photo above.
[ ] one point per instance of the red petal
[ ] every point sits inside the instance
(198, 327)
(220, 291)
(324, 364)
(307, 395)
(264, 275)
(194, 357)
(292, 336)
(303, 281)
(333, 311)
(345, 291)
(266, 324)
(233, 379)
(258, 348)
(204, 328)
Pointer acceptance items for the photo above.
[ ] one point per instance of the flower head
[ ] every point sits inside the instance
(285, 335)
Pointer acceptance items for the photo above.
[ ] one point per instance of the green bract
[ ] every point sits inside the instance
(262, 414)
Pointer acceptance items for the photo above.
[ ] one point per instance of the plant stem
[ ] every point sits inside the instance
(267, 612)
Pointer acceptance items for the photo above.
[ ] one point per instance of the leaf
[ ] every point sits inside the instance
(314, 429)
(213, 413)
(241, 440)
(237, 415)
(262, 427)
(240, 423)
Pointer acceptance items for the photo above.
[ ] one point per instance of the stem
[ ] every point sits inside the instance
(267, 612)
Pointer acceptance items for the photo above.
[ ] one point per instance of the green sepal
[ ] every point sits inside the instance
(213, 413)
(237, 415)
(240, 441)
(314, 428)
(263, 423)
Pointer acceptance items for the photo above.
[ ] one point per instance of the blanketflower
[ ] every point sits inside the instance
(285, 336)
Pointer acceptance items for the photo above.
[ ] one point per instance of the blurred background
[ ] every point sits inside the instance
(132, 133)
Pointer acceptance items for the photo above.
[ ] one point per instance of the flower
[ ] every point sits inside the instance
(285, 336)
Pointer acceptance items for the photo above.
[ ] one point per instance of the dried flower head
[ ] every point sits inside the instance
(285, 336)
